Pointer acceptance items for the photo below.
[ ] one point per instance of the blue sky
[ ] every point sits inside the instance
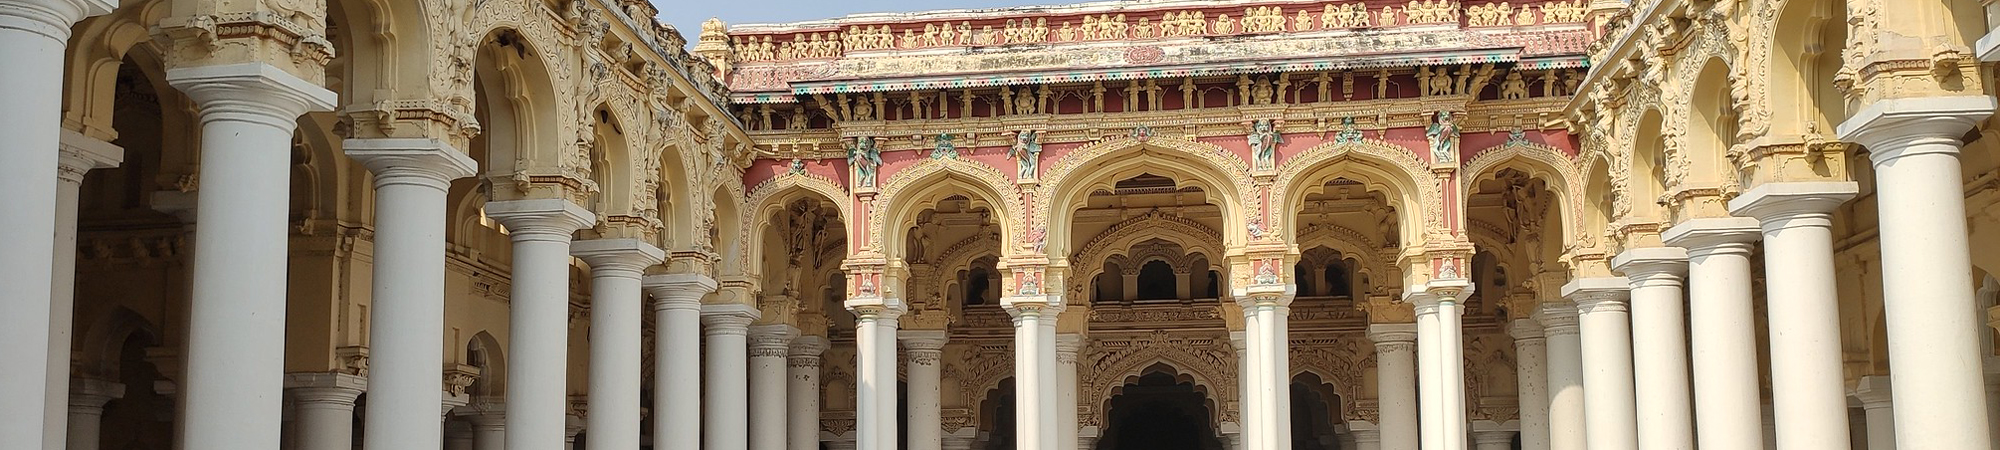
(687, 15)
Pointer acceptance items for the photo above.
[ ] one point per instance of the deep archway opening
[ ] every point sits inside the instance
(997, 426)
(1159, 411)
(1315, 414)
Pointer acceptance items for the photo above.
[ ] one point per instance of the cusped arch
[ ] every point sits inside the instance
(1221, 175)
(1538, 161)
(1350, 243)
(769, 198)
(913, 189)
(1112, 370)
(1192, 236)
(1381, 165)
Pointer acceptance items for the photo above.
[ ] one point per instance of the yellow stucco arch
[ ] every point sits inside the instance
(919, 187)
(1069, 180)
(1380, 166)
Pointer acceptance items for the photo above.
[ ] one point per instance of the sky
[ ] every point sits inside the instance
(687, 15)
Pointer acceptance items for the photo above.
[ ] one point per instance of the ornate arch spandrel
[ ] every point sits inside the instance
(1191, 235)
(1227, 176)
(979, 181)
(1208, 359)
(1417, 197)
(1341, 361)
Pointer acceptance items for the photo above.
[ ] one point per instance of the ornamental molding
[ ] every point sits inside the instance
(1000, 193)
(1109, 362)
(1541, 161)
(1197, 158)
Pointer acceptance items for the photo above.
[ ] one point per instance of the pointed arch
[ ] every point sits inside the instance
(104, 340)
(1538, 161)
(918, 187)
(1381, 166)
(1209, 369)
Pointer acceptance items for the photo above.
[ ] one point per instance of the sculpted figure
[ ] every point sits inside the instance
(1223, 26)
(1443, 136)
(1264, 140)
(1514, 87)
(866, 158)
(1026, 152)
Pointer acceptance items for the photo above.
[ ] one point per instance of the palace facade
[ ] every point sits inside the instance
(1132, 224)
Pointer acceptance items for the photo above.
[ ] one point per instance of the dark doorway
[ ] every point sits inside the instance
(1159, 412)
(1315, 411)
(997, 417)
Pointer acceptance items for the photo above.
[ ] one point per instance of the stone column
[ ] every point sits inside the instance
(725, 385)
(33, 34)
(1067, 423)
(1031, 408)
(803, 392)
(235, 373)
(1531, 356)
(770, 349)
(1395, 383)
(677, 400)
(79, 155)
(875, 372)
(1492, 440)
(1873, 392)
(1926, 265)
(1565, 347)
(1808, 388)
(1659, 346)
(1440, 303)
(538, 320)
(489, 424)
(1250, 376)
(1608, 399)
(925, 353)
(1246, 376)
(325, 405)
(406, 315)
(1728, 409)
(1366, 439)
(616, 266)
(86, 411)
(1431, 419)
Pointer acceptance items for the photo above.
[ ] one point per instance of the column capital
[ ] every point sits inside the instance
(325, 387)
(809, 346)
(1785, 205)
(678, 291)
(1526, 330)
(484, 413)
(1558, 319)
(727, 319)
(1714, 236)
(627, 258)
(1893, 128)
(93, 393)
(1070, 343)
(877, 308)
(1872, 391)
(1492, 437)
(415, 161)
(920, 340)
(771, 341)
(1599, 294)
(80, 153)
(1032, 305)
(51, 18)
(1392, 333)
(250, 92)
(1652, 266)
(540, 219)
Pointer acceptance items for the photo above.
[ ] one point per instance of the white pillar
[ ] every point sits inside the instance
(875, 371)
(803, 391)
(1067, 347)
(1431, 408)
(79, 154)
(770, 349)
(488, 419)
(1610, 422)
(236, 340)
(1278, 367)
(1236, 440)
(538, 322)
(725, 385)
(1565, 347)
(676, 409)
(325, 409)
(616, 266)
(1031, 407)
(86, 411)
(1531, 356)
(1659, 346)
(33, 34)
(1251, 380)
(407, 313)
(1051, 436)
(1728, 410)
(1367, 439)
(924, 351)
(1808, 388)
(1926, 266)
(1396, 385)
(1873, 392)
(1493, 440)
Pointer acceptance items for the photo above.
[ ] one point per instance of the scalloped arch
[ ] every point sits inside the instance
(1111, 369)
(935, 175)
(1192, 236)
